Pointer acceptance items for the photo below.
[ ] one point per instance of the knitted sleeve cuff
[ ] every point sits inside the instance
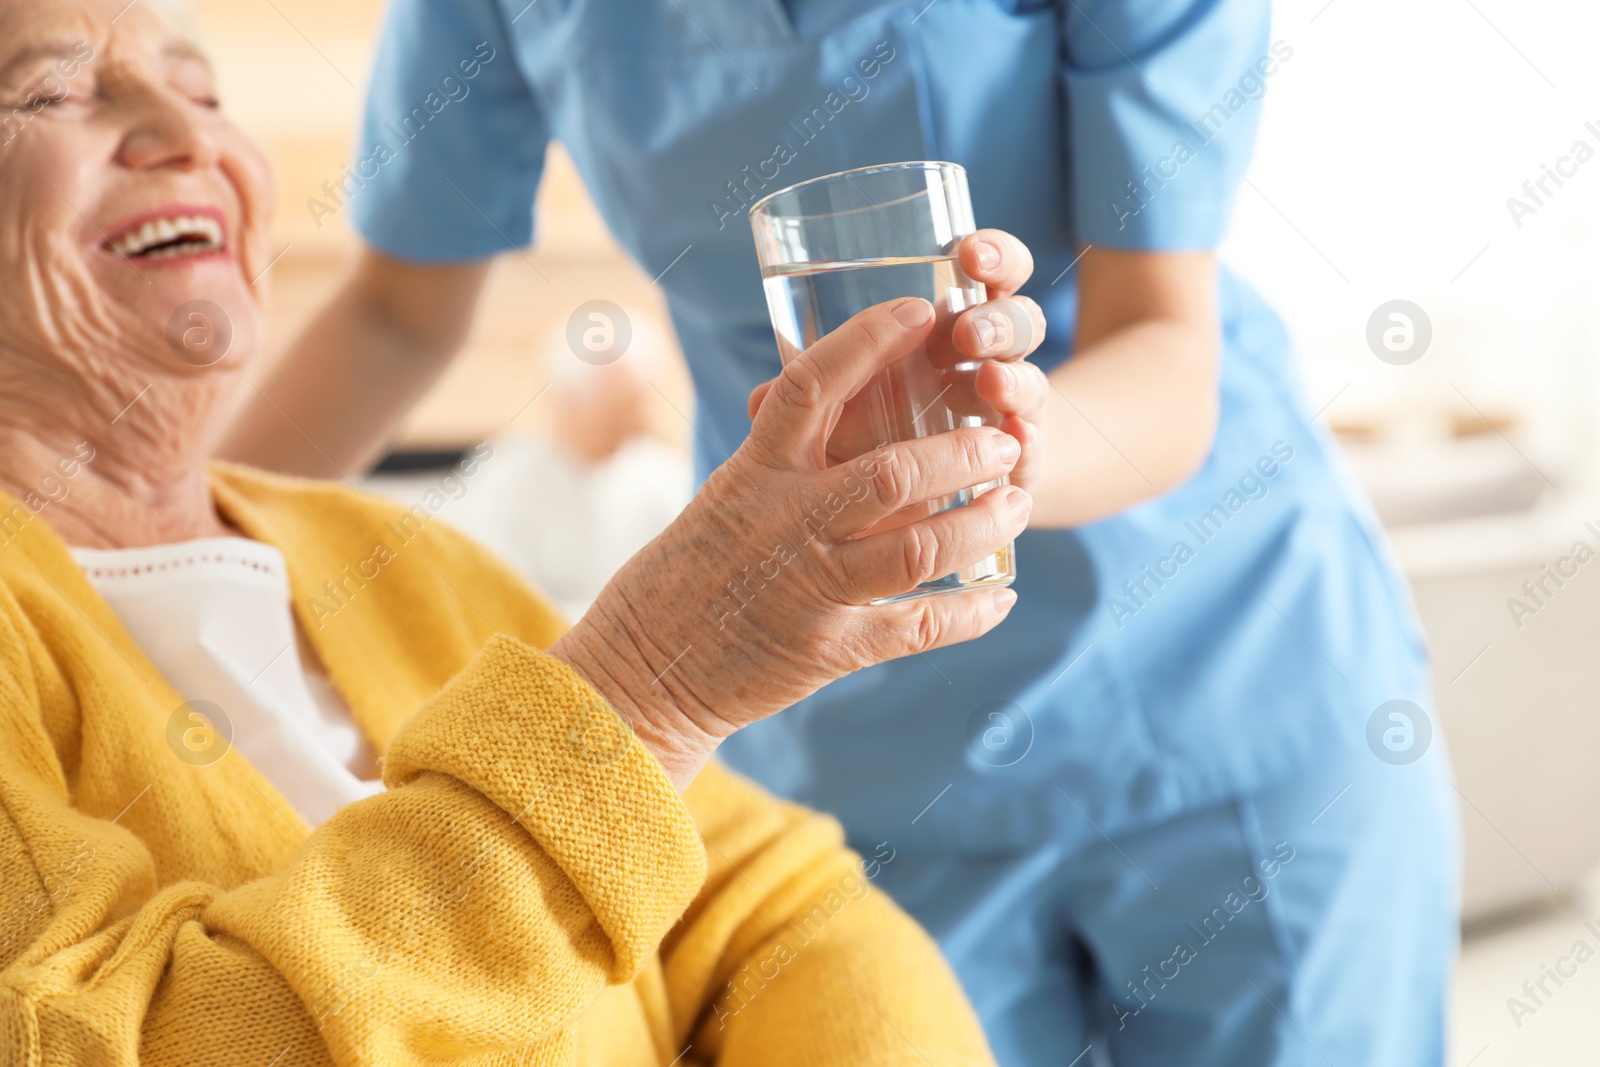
(524, 730)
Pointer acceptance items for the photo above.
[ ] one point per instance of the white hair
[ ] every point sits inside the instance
(180, 15)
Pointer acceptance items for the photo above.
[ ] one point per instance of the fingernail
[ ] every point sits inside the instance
(1011, 379)
(1021, 504)
(1008, 447)
(1000, 337)
(1003, 599)
(913, 312)
(988, 255)
(986, 333)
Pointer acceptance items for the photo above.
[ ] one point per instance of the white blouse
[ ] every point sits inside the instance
(215, 617)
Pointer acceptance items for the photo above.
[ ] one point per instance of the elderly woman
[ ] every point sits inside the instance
(200, 863)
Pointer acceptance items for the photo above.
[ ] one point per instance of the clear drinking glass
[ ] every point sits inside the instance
(836, 245)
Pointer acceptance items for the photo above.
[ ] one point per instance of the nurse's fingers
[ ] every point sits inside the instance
(803, 404)
(1031, 438)
(1014, 389)
(1009, 328)
(996, 259)
(896, 561)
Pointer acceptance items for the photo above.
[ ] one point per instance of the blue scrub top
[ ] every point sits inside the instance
(1216, 639)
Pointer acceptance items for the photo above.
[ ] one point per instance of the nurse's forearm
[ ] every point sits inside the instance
(331, 404)
(1127, 418)
(1133, 413)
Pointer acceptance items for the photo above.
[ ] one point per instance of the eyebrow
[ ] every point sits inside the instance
(33, 54)
(181, 48)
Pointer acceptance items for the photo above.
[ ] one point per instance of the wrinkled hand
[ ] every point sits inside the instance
(1001, 332)
(760, 592)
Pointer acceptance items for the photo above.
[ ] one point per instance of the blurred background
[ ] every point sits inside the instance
(1392, 141)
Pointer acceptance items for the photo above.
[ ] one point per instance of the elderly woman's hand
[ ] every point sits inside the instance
(760, 593)
(999, 334)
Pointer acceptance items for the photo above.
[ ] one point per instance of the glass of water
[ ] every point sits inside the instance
(834, 246)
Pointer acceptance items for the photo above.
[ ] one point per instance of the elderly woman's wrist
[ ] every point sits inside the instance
(658, 710)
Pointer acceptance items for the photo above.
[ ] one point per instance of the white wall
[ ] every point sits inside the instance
(1391, 141)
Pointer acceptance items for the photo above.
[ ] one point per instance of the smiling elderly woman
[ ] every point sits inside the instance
(200, 864)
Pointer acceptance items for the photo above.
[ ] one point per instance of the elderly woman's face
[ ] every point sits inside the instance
(127, 201)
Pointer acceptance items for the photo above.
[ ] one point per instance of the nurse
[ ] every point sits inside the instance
(1183, 805)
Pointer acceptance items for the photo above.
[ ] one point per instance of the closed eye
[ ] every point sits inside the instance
(190, 73)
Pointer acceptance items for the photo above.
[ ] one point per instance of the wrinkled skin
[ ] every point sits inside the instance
(763, 590)
(104, 121)
(997, 334)
(114, 115)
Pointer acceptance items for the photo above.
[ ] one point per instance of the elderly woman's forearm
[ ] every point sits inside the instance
(792, 909)
(483, 902)
(612, 660)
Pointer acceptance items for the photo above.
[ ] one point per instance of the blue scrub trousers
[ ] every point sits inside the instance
(1195, 943)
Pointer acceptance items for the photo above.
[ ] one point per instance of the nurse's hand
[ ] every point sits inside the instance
(759, 593)
(1001, 332)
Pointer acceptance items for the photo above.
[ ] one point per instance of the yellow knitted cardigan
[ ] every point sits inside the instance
(529, 889)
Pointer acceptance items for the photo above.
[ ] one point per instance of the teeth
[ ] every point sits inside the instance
(203, 230)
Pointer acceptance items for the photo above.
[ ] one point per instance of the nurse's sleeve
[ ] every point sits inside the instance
(1163, 98)
(452, 142)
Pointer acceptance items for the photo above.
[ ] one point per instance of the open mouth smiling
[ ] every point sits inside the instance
(169, 234)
